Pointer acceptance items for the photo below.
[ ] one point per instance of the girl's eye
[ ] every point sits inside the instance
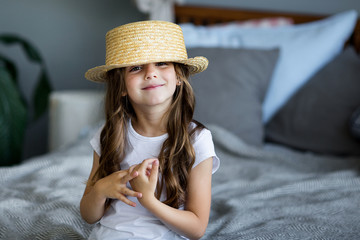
(161, 64)
(135, 68)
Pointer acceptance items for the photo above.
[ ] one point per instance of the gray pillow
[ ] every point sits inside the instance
(317, 117)
(231, 91)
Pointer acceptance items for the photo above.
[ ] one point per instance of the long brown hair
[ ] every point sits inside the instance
(177, 154)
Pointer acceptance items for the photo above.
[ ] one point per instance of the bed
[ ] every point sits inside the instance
(281, 98)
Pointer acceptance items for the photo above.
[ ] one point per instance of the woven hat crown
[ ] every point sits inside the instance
(145, 42)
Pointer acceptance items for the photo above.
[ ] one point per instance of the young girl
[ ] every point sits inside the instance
(152, 166)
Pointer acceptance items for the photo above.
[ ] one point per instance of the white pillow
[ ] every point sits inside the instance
(262, 22)
(304, 49)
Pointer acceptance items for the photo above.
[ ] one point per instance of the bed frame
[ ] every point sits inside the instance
(200, 15)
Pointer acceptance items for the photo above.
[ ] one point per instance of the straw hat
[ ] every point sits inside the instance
(145, 42)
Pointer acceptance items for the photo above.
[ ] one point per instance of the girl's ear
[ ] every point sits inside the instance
(123, 94)
(178, 81)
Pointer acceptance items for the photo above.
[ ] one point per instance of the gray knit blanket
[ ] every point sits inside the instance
(270, 193)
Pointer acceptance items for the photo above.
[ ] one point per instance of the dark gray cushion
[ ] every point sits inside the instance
(231, 91)
(355, 123)
(317, 117)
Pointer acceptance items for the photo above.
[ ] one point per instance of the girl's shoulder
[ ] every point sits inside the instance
(203, 145)
(95, 140)
(198, 131)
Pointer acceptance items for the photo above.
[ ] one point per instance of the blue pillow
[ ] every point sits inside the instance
(304, 49)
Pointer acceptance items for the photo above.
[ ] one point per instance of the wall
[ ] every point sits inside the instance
(70, 36)
(303, 6)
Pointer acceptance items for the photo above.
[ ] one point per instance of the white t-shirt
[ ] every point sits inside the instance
(122, 221)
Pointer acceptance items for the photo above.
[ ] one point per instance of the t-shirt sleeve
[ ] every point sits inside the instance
(204, 149)
(95, 142)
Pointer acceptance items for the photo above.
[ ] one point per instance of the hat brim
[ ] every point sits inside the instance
(98, 74)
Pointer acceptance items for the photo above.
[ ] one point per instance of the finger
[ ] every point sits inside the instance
(147, 164)
(124, 199)
(129, 192)
(149, 167)
(129, 176)
(132, 168)
(154, 171)
(121, 173)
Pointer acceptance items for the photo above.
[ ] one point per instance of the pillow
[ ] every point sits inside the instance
(354, 124)
(304, 49)
(317, 117)
(261, 23)
(231, 91)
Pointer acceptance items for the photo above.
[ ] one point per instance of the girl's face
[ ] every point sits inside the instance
(151, 84)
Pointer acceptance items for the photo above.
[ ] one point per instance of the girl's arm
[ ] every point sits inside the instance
(92, 204)
(192, 221)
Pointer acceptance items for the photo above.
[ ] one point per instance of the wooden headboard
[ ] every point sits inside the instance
(211, 15)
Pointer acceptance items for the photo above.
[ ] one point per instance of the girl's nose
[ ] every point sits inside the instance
(150, 71)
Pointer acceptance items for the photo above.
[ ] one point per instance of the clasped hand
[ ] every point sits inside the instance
(142, 177)
(147, 178)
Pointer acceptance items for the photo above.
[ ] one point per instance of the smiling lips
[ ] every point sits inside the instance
(152, 86)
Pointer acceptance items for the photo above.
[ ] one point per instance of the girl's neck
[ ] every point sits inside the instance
(150, 121)
(149, 126)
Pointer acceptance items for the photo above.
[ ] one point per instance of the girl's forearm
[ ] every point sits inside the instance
(183, 222)
(92, 206)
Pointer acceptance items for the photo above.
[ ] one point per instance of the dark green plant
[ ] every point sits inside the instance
(14, 110)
